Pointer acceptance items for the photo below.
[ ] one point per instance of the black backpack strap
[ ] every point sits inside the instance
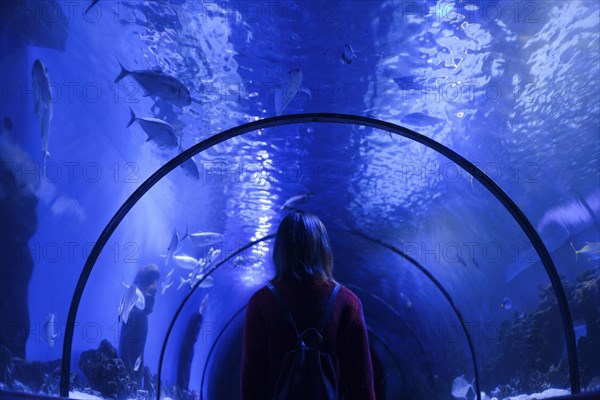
(328, 307)
(283, 306)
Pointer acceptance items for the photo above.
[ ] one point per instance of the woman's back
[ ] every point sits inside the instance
(303, 263)
(269, 336)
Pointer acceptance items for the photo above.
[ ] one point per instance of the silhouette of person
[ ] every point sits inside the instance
(133, 333)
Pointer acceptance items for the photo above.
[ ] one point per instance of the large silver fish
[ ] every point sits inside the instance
(203, 238)
(186, 262)
(133, 297)
(192, 279)
(159, 131)
(50, 329)
(294, 201)
(190, 168)
(159, 84)
(42, 104)
(460, 387)
(210, 258)
(168, 282)
(420, 119)
(289, 87)
(592, 249)
(209, 281)
(172, 247)
(138, 362)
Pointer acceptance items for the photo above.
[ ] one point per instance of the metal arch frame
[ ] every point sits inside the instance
(189, 296)
(212, 347)
(387, 347)
(346, 119)
(363, 236)
(444, 293)
(393, 311)
(238, 312)
(374, 334)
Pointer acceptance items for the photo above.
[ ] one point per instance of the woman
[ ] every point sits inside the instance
(303, 264)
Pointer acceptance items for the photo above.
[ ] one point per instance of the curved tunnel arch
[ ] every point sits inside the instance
(393, 311)
(376, 241)
(245, 247)
(353, 287)
(346, 119)
(189, 295)
(238, 312)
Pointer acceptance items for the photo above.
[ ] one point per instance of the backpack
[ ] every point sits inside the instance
(306, 372)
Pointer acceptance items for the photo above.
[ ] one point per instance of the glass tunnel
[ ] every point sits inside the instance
(451, 148)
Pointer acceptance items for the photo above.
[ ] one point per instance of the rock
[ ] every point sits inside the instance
(5, 366)
(105, 371)
(529, 355)
(39, 377)
(19, 222)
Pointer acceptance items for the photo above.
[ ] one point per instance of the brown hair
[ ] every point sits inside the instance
(302, 251)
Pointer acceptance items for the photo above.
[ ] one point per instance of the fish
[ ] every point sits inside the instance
(183, 281)
(159, 84)
(592, 249)
(42, 104)
(8, 124)
(580, 328)
(199, 270)
(206, 283)
(348, 55)
(571, 215)
(193, 278)
(292, 202)
(289, 88)
(460, 387)
(190, 168)
(203, 238)
(408, 82)
(484, 396)
(157, 130)
(203, 304)
(90, 6)
(50, 329)
(420, 119)
(204, 263)
(506, 303)
(172, 246)
(211, 257)
(133, 297)
(186, 262)
(168, 281)
(239, 260)
(138, 361)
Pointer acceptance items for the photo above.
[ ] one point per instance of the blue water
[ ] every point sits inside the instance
(511, 86)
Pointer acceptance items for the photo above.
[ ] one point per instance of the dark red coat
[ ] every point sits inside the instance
(268, 336)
